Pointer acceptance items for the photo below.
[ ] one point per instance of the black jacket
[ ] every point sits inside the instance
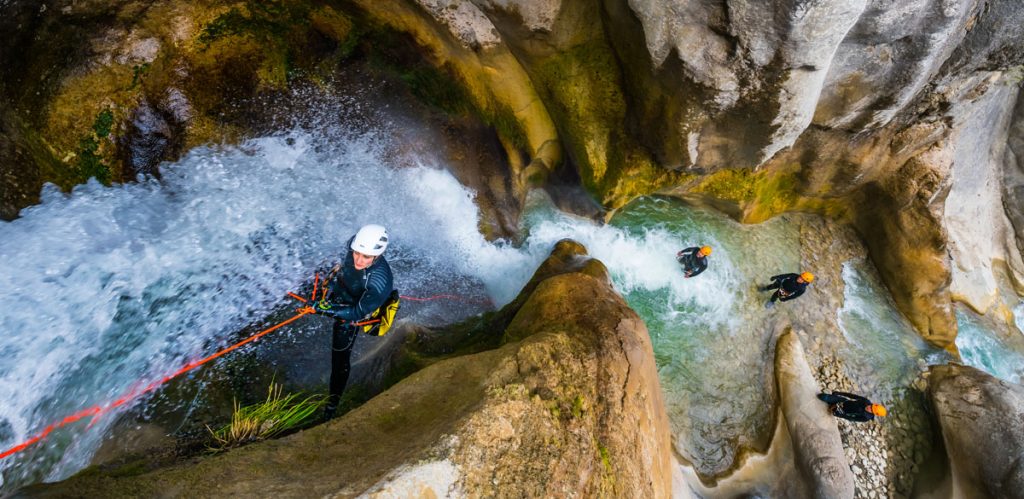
(691, 262)
(852, 407)
(789, 286)
(357, 293)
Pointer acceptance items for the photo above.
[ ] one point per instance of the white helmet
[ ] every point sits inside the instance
(371, 240)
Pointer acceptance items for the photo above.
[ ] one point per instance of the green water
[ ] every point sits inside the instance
(1000, 354)
(711, 334)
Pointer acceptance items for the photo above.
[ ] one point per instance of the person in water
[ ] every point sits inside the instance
(852, 407)
(788, 286)
(694, 260)
(359, 286)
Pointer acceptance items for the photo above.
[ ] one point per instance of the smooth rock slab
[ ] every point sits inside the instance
(982, 423)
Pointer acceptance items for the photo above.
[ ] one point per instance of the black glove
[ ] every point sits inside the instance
(329, 309)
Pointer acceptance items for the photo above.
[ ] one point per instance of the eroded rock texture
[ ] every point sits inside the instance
(817, 447)
(893, 115)
(568, 404)
(982, 422)
(866, 111)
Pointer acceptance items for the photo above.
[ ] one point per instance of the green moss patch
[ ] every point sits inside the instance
(767, 193)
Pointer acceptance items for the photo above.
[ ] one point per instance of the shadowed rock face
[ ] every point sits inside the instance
(858, 110)
(851, 109)
(982, 421)
(1013, 180)
(569, 404)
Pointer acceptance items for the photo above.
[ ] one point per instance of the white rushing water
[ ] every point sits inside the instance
(988, 350)
(107, 287)
(884, 352)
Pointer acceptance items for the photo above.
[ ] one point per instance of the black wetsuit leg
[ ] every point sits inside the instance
(343, 337)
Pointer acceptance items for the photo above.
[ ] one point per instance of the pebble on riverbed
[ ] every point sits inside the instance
(884, 455)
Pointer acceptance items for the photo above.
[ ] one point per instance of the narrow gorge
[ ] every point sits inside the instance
(171, 170)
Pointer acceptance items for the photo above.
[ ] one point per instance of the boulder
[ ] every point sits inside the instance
(982, 422)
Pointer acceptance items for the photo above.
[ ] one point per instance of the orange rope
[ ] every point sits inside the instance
(99, 410)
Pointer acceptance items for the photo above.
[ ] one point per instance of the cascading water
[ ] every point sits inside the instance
(110, 286)
(989, 351)
(883, 351)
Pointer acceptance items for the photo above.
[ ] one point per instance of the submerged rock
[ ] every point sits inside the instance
(806, 457)
(568, 404)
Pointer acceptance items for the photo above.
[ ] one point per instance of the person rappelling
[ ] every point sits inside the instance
(852, 407)
(694, 260)
(787, 286)
(360, 298)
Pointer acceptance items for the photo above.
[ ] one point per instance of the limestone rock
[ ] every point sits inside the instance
(982, 423)
(981, 237)
(1013, 181)
(817, 446)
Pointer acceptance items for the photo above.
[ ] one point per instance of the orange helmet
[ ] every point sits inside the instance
(878, 410)
(706, 250)
(807, 277)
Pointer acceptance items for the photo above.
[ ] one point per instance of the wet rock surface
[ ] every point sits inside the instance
(846, 109)
(816, 443)
(885, 456)
(569, 403)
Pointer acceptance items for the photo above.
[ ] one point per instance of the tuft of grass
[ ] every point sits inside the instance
(90, 160)
(138, 71)
(578, 406)
(267, 419)
(606, 458)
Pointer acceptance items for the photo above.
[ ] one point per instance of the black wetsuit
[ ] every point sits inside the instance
(693, 264)
(787, 286)
(354, 295)
(848, 406)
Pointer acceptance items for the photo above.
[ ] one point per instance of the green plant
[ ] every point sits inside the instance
(578, 406)
(104, 122)
(90, 162)
(137, 71)
(606, 458)
(277, 414)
